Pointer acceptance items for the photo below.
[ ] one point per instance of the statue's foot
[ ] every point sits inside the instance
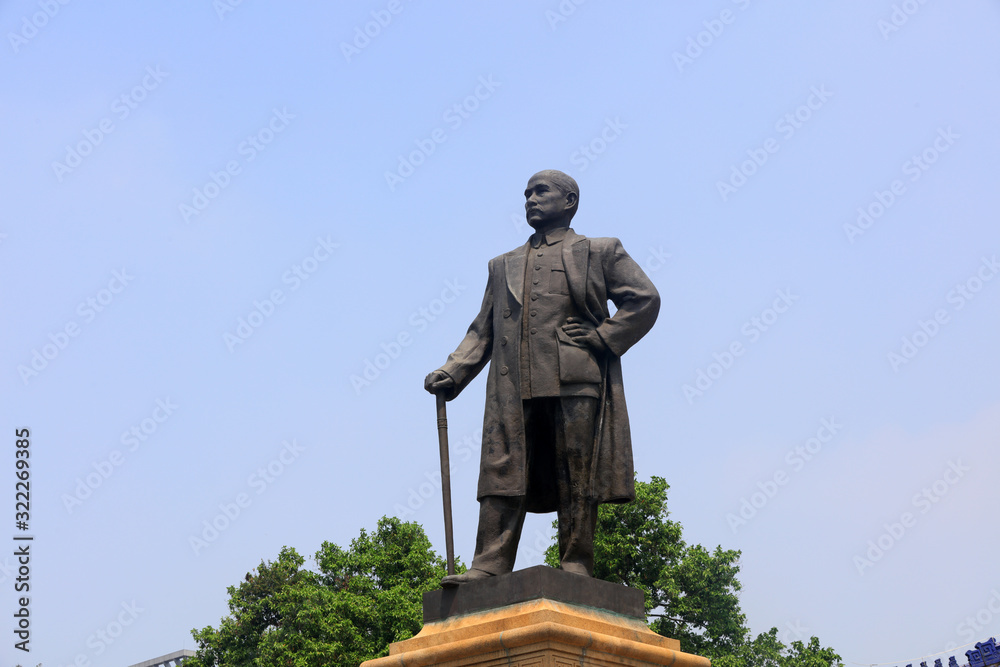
(575, 568)
(471, 575)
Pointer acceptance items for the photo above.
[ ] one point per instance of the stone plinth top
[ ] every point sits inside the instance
(538, 633)
(533, 583)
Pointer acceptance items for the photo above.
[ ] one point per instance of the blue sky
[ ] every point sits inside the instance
(219, 217)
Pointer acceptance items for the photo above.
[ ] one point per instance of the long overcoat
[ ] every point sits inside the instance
(597, 269)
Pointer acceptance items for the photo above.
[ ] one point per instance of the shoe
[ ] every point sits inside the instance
(471, 575)
(575, 568)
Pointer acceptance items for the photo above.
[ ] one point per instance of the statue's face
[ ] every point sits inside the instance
(545, 203)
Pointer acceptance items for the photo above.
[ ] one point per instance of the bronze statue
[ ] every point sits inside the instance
(555, 433)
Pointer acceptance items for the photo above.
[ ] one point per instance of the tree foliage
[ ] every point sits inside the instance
(691, 593)
(768, 651)
(359, 601)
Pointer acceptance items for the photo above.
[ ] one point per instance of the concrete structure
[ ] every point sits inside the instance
(538, 617)
(169, 660)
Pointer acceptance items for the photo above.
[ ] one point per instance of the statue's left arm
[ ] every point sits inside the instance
(633, 294)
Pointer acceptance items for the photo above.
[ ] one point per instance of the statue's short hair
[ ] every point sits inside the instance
(564, 182)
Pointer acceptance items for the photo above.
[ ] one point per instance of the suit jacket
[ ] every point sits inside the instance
(597, 270)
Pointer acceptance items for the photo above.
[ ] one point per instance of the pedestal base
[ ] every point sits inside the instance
(538, 633)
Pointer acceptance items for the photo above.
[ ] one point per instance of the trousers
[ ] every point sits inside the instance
(561, 431)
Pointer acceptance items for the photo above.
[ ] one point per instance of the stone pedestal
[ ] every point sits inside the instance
(539, 617)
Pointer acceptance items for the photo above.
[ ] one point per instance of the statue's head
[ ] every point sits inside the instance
(551, 199)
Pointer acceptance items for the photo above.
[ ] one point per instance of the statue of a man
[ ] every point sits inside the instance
(555, 432)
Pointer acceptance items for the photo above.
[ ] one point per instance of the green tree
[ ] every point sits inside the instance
(764, 651)
(691, 594)
(255, 609)
(768, 651)
(359, 601)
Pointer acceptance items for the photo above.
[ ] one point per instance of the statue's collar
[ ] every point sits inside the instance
(550, 237)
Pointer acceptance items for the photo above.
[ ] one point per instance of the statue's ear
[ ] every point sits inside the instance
(571, 199)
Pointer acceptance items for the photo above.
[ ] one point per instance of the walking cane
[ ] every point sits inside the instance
(449, 543)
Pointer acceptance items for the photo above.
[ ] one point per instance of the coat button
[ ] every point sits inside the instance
(537, 268)
(535, 281)
(534, 297)
(534, 312)
(534, 331)
(506, 312)
(503, 370)
(503, 341)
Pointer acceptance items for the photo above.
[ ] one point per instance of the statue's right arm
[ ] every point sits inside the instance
(471, 355)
